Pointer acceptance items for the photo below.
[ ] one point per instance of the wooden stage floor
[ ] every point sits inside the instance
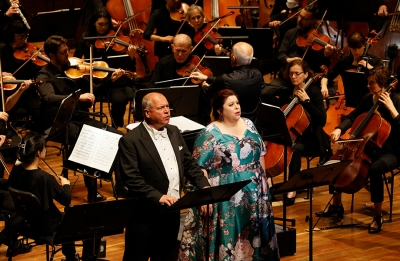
(350, 243)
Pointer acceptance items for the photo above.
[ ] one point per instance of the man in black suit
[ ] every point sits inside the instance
(152, 160)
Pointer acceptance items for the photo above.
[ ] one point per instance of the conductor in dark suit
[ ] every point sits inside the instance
(153, 159)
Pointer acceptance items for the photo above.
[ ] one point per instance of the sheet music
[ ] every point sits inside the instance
(95, 148)
(183, 124)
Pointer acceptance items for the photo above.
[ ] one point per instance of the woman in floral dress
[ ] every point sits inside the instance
(229, 150)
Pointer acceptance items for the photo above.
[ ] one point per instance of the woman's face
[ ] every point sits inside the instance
(196, 19)
(374, 88)
(357, 52)
(297, 75)
(231, 108)
(101, 25)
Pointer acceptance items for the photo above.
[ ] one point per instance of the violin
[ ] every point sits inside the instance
(10, 82)
(316, 41)
(179, 15)
(30, 52)
(118, 44)
(193, 65)
(78, 68)
(208, 37)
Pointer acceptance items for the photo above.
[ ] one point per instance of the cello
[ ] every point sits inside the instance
(121, 9)
(297, 122)
(369, 127)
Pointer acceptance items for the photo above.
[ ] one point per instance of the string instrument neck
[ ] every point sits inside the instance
(295, 99)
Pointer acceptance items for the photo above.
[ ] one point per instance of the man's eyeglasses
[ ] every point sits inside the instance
(65, 52)
(21, 36)
(293, 74)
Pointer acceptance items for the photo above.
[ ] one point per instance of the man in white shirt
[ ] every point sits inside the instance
(152, 160)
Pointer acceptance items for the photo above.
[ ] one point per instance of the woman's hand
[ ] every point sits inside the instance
(87, 97)
(203, 210)
(64, 181)
(218, 49)
(117, 74)
(25, 85)
(3, 116)
(302, 95)
(335, 135)
(2, 139)
(131, 51)
(385, 99)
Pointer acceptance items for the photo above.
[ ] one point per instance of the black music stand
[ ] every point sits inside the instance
(355, 87)
(271, 123)
(62, 22)
(309, 179)
(94, 220)
(208, 196)
(222, 64)
(183, 101)
(259, 38)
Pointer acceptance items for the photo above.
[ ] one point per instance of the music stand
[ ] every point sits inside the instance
(183, 101)
(220, 65)
(115, 61)
(355, 87)
(64, 22)
(259, 38)
(271, 123)
(208, 196)
(94, 220)
(309, 179)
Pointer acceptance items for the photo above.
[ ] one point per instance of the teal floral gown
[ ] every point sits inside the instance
(241, 229)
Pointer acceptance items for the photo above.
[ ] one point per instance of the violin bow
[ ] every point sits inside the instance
(316, 29)
(296, 14)
(30, 58)
(194, 69)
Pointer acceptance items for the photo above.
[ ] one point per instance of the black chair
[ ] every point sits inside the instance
(28, 207)
(390, 192)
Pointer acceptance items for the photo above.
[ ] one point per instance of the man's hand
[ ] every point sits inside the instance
(199, 76)
(117, 74)
(383, 10)
(169, 200)
(3, 116)
(87, 97)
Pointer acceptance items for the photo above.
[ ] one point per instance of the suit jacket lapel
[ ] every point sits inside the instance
(175, 145)
(148, 144)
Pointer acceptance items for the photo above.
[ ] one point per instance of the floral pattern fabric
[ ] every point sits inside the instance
(241, 229)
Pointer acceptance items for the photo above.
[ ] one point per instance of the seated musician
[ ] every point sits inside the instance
(57, 87)
(247, 83)
(120, 91)
(24, 100)
(10, 11)
(313, 138)
(153, 160)
(384, 159)
(161, 28)
(350, 62)
(167, 68)
(27, 176)
(289, 50)
(196, 17)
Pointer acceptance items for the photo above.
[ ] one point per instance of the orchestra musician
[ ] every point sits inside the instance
(119, 91)
(166, 28)
(166, 68)
(290, 51)
(313, 138)
(351, 61)
(384, 159)
(153, 159)
(196, 18)
(23, 97)
(244, 80)
(56, 87)
(10, 10)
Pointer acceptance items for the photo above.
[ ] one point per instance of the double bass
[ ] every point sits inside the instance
(368, 128)
(214, 8)
(121, 9)
(297, 122)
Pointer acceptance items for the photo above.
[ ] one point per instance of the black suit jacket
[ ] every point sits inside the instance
(142, 170)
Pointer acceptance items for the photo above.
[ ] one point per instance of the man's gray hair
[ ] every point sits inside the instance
(241, 57)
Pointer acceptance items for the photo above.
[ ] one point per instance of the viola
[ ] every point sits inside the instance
(297, 122)
(78, 68)
(179, 14)
(118, 44)
(369, 127)
(193, 65)
(208, 37)
(10, 82)
(30, 52)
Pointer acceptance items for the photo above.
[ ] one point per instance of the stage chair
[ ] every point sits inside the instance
(393, 173)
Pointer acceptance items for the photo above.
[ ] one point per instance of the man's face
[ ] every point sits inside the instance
(305, 19)
(158, 114)
(61, 56)
(181, 51)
